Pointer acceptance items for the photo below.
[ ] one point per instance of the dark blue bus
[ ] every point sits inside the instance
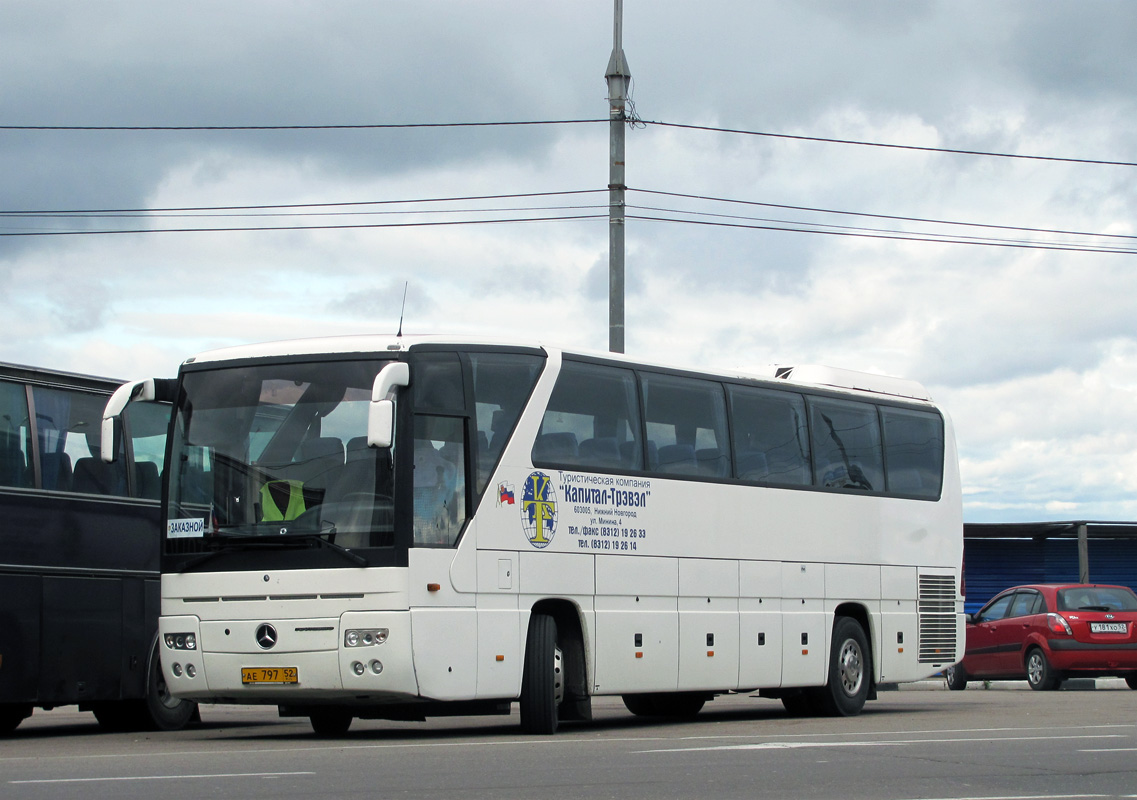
(79, 539)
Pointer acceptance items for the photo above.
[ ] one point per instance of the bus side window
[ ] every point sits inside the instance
(770, 437)
(502, 384)
(686, 423)
(68, 426)
(15, 466)
(846, 445)
(592, 420)
(913, 451)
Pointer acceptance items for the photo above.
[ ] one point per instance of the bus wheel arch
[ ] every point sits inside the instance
(850, 674)
(163, 711)
(573, 700)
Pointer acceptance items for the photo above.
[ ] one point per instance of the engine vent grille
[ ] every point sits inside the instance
(937, 620)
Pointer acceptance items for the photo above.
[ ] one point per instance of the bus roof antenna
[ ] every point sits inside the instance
(402, 308)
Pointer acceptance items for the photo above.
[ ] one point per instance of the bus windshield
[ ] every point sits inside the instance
(280, 449)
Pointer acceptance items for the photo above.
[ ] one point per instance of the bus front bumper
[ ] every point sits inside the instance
(361, 656)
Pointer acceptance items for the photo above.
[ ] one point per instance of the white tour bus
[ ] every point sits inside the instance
(395, 528)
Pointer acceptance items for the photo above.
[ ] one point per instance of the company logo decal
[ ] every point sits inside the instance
(539, 509)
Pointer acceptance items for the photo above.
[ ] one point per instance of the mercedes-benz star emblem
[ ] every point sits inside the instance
(266, 636)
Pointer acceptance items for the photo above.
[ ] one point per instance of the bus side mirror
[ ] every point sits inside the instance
(381, 413)
(149, 389)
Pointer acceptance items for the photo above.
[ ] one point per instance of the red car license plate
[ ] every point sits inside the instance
(1109, 627)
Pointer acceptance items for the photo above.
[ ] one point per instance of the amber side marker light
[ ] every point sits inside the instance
(433, 587)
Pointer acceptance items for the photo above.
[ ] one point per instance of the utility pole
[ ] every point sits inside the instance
(619, 77)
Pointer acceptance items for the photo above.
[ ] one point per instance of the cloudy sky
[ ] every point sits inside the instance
(1029, 339)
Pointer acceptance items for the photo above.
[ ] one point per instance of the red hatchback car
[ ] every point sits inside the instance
(1049, 632)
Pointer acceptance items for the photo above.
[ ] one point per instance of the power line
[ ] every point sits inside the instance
(928, 220)
(245, 229)
(275, 206)
(893, 146)
(522, 123)
(317, 127)
(898, 236)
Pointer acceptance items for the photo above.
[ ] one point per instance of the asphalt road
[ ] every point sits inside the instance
(907, 744)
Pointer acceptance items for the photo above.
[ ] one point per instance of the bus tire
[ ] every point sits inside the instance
(541, 677)
(800, 703)
(11, 715)
(850, 671)
(330, 722)
(164, 712)
(642, 705)
(956, 677)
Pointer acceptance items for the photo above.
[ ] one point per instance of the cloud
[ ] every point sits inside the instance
(1033, 352)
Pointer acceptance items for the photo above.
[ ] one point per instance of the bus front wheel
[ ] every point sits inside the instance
(850, 671)
(542, 679)
(330, 722)
(164, 712)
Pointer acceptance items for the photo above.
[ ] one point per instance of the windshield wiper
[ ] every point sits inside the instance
(319, 540)
(236, 542)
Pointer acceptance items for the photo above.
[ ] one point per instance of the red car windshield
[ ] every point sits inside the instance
(1097, 598)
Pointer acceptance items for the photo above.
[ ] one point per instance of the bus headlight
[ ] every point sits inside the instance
(180, 641)
(365, 637)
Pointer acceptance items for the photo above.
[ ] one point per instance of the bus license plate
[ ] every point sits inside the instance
(257, 675)
(1108, 627)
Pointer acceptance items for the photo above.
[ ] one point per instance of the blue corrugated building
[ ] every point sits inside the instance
(998, 555)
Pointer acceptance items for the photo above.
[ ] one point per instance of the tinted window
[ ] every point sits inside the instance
(1101, 598)
(15, 465)
(146, 424)
(913, 451)
(846, 445)
(68, 427)
(770, 438)
(996, 610)
(1024, 604)
(502, 384)
(686, 426)
(438, 383)
(592, 420)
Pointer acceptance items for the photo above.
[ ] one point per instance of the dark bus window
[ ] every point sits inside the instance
(15, 463)
(502, 384)
(913, 451)
(146, 424)
(686, 426)
(68, 426)
(437, 383)
(846, 445)
(770, 436)
(592, 420)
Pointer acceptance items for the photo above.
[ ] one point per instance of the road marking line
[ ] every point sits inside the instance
(882, 743)
(167, 777)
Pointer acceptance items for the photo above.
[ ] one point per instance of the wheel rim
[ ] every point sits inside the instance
(851, 666)
(558, 680)
(1034, 668)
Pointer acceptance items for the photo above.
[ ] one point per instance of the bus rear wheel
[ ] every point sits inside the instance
(542, 678)
(665, 704)
(850, 671)
(11, 715)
